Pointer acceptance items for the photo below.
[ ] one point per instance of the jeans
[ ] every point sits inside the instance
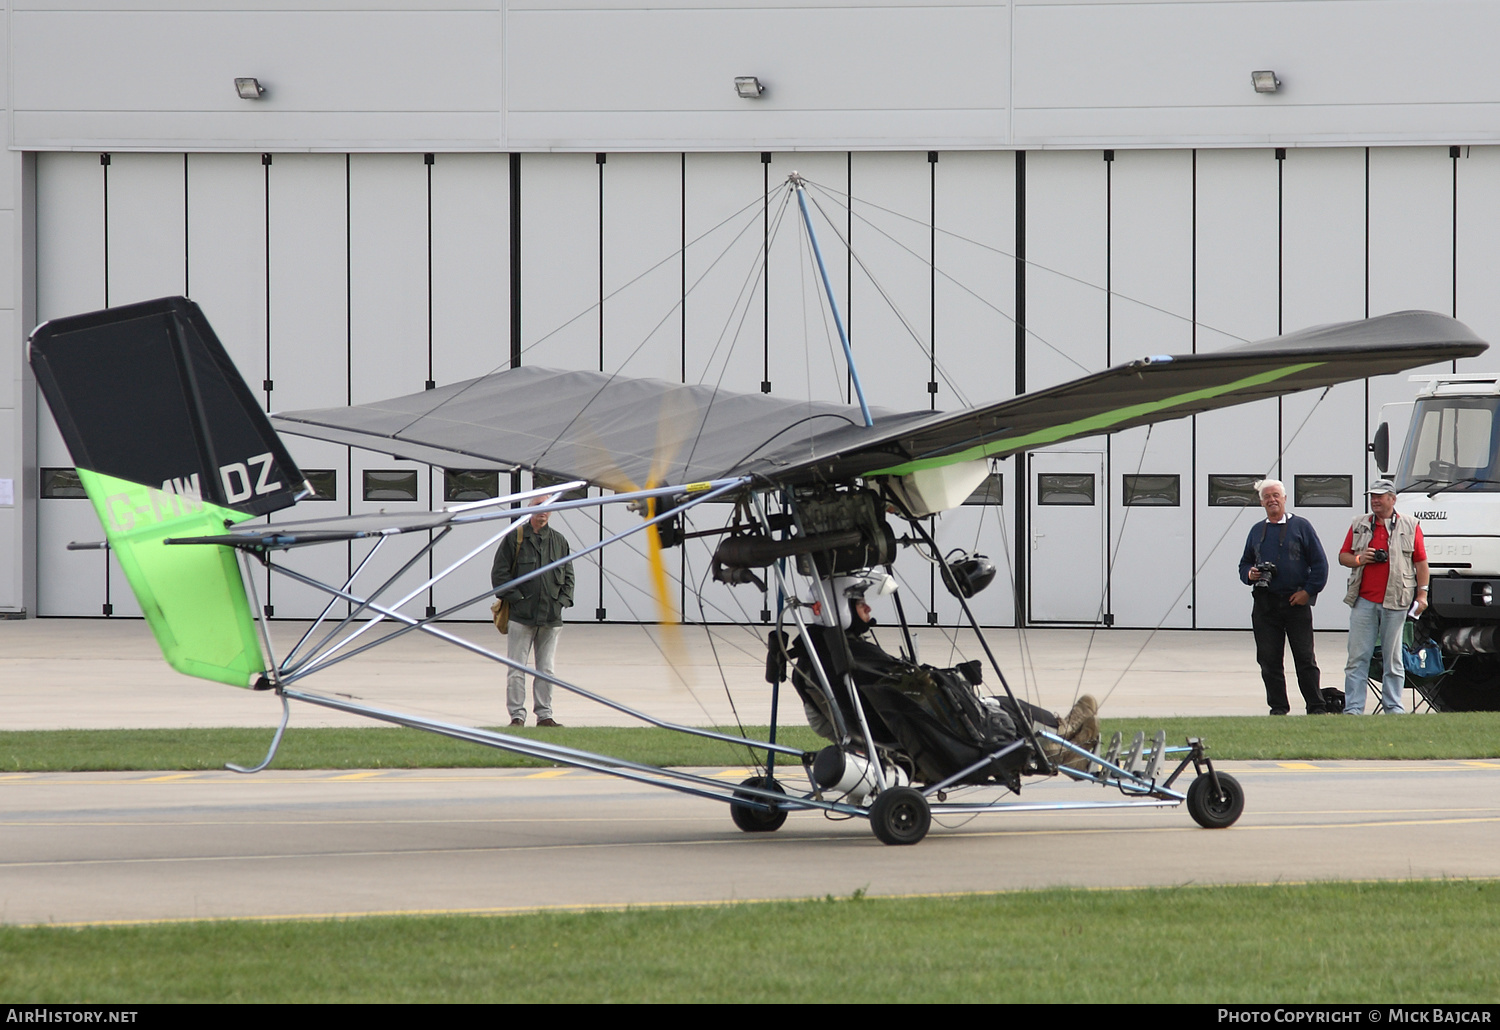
(1277, 622)
(521, 640)
(1369, 624)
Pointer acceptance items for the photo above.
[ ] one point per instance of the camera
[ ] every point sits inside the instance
(1267, 570)
(1380, 557)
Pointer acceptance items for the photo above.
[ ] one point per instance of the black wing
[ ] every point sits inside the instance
(617, 432)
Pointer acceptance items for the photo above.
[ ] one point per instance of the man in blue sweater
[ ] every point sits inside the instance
(1284, 597)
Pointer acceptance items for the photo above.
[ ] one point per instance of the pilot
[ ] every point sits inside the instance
(1079, 726)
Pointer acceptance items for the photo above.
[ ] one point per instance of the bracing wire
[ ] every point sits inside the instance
(1033, 685)
(670, 311)
(840, 376)
(1030, 264)
(746, 294)
(954, 651)
(1110, 571)
(594, 306)
(718, 664)
(890, 302)
(615, 581)
(759, 270)
(1281, 453)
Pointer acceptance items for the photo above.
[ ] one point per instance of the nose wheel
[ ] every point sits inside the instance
(1215, 808)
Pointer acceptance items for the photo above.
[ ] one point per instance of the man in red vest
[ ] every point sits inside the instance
(1389, 580)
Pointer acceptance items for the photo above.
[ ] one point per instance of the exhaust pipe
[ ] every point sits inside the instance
(1470, 640)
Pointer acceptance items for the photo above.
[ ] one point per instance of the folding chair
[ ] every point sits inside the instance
(1424, 671)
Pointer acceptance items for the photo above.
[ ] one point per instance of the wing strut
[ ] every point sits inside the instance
(838, 320)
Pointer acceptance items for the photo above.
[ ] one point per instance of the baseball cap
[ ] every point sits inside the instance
(1382, 486)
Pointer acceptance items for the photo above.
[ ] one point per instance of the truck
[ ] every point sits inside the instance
(1447, 474)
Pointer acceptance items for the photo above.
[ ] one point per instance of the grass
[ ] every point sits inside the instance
(1388, 942)
(361, 748)
(1449, 735)
(1430, 735)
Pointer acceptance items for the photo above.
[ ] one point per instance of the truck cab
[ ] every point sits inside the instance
(1447, 475)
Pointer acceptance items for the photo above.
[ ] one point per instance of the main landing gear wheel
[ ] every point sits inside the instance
(900, 815)
(1214, 811)
(757, 820)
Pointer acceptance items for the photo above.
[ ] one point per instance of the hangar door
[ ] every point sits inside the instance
(1066, 516)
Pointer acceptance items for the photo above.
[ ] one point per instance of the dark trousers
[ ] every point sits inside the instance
(1276, 622)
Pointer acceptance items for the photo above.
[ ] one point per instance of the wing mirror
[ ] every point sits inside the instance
(1381, 447)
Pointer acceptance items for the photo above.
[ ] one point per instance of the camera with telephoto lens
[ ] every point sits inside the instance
(1267, 570)
(1380, 556)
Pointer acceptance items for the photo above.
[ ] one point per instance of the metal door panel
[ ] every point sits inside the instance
(1237, 295)
(724, 312)
(975, 289)
(1478, 245)
(560, 260)
(470, 265)
(1066, 250)
(1411, 252)
(388, 303)
(70, 279)
(806, 359)
(147, 231)
(1066, 571)
(890, 321)
(308, 244)
(1151, 274)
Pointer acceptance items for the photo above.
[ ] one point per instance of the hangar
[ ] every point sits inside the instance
(1014, 192)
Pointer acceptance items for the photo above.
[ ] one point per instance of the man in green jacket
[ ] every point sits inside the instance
(536, 608)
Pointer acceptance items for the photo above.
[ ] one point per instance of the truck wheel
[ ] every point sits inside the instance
(1212, 811)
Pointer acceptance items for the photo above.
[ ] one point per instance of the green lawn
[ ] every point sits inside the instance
(1388, 942)
(1452, 735)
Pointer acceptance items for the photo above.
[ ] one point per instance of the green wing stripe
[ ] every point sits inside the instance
(193, 597)
(1101, 423)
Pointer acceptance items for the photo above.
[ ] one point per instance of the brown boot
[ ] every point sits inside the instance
(1086, 737)
(1084, 709)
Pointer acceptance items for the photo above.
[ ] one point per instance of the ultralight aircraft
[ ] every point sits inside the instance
(176, 455)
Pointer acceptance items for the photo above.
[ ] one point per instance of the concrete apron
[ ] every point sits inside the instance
(95, 673)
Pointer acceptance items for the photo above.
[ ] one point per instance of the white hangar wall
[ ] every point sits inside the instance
(347, 267)
(612, 75)
(338, 278)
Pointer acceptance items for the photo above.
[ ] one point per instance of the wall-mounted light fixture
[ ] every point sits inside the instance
(1265, 82)
(249, 89)
(748, 87)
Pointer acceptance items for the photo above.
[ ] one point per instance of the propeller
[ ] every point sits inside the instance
(675, 421)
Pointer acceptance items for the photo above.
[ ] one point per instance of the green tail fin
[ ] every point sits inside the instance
(193, 596)
(169, 441)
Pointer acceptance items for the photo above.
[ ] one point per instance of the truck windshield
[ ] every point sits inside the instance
(1452, 445)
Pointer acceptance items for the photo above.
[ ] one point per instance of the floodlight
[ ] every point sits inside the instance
(748, 87)
(1265, 82)
(249, 89)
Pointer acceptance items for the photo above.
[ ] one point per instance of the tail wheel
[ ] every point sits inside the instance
(1215, 811)
(758, 820)
(900, 815)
